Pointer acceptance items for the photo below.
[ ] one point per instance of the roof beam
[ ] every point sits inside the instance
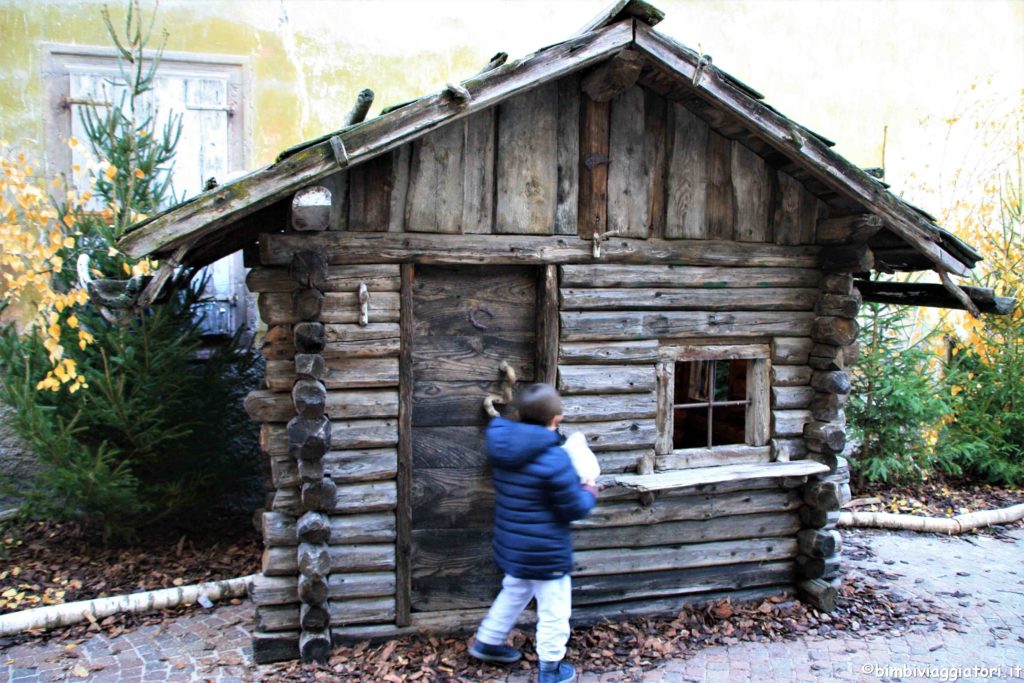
(794, 142)
(624, 9)
(230, 202)
(935, 296)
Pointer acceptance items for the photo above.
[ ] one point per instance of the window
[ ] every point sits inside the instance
(206, 91)
(713, 406)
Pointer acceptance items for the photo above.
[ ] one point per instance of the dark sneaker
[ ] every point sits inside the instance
(502, 654)
(556, 672)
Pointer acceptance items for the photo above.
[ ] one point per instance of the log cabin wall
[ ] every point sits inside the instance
(726, 261)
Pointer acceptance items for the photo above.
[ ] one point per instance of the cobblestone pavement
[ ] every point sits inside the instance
(979, 578)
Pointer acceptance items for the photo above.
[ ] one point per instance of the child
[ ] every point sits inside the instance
(537, 494)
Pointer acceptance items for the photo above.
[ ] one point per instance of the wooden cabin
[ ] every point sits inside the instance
(613, 215)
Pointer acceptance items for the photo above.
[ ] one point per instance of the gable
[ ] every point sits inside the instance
(732, 111)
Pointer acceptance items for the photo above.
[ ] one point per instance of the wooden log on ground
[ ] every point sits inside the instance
(308, 439)
(834, 331)
(818, 593)
(819, 542)
(939, 525)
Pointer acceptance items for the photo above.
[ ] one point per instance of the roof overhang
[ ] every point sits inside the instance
(205, 226)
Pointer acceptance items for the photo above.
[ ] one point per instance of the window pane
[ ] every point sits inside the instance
(729, 425)
(690, 428)
(691, 382)
(731, 380)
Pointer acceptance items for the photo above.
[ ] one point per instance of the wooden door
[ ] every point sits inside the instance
(466, 321)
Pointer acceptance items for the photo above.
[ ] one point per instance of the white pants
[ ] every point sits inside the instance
(554, 604)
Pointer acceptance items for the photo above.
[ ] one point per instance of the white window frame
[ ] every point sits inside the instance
(61, 60)
(756, 447)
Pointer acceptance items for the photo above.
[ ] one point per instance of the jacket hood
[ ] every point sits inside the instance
(511, 445)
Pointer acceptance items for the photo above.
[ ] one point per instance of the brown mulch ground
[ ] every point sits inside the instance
(940, 497)
(45, 563)
(864, 607)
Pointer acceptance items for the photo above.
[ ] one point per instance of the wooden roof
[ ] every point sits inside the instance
(221, 220)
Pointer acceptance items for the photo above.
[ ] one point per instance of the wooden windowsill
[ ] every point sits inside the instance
(677, 479)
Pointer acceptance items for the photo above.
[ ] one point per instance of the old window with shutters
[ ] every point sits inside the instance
(207, 92)
(713, 405)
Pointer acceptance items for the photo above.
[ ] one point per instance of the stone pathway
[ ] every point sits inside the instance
(979, 578)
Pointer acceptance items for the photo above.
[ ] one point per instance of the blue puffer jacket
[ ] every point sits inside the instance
(537, 494)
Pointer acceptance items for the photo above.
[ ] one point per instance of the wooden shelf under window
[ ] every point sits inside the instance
(663, 481)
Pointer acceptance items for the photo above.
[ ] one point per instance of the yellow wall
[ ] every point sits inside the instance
(843, 68)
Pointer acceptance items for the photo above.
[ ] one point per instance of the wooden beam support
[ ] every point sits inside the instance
(403, 512)
(854, 229)
(613, 77)
(934, 296)
(341, 248)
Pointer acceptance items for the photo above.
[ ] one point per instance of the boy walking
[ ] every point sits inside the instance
(537, 494)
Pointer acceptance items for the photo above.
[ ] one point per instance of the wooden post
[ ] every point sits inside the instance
(403, 511)
(548, 324)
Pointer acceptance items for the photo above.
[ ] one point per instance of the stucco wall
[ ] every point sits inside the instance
(845, 69)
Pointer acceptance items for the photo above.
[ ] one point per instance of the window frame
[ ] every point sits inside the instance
(60, 60)
(756, 447)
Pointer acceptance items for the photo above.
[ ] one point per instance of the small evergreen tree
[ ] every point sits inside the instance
(896, 401)
(154, 432)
